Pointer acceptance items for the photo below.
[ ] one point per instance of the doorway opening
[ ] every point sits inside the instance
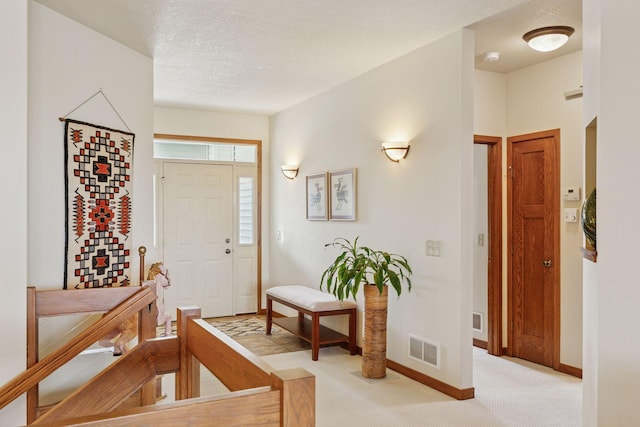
(493, 243)
(207, 222)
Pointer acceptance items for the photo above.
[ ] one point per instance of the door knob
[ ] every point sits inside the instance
(228, 251)
(547, 263)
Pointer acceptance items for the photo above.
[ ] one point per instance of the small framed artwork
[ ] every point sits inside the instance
(317, 201)
(343, 200)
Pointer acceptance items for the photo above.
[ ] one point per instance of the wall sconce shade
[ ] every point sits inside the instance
(395, 151)
(289, 171)
(547, 39)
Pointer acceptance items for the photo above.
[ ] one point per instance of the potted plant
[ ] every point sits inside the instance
(376, 270)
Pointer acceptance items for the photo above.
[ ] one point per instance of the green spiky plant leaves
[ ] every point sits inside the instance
(358, 265)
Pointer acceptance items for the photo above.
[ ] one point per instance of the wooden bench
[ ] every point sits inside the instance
(315, 304)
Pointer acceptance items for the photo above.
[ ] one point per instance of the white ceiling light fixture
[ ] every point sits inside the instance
(546, 39)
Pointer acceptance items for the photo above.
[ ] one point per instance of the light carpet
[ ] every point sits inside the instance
(509, 393)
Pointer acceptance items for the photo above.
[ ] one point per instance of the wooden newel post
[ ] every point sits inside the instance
(188, 376)
(142, 251)
(32, 353)
(147, 329)
(298, 397)
(147, 319)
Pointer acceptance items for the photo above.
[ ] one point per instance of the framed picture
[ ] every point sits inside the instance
(343, 200)
(317, 201)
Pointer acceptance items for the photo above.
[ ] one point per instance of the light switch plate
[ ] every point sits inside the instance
(434, 248)
(570, 215)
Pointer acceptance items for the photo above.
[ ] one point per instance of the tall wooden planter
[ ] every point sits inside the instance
(374, 347)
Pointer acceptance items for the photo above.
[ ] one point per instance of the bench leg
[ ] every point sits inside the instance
(315, 336)
(269, 314)
(352, 332)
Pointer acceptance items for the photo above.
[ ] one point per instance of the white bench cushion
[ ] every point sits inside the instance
(309, 299)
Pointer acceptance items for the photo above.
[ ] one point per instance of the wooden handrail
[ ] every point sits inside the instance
(263, 396)
(235, 366)
(258, 394)
(249, 407)
(144, 298)
(117, 382)
(79, 301)
(289, 401)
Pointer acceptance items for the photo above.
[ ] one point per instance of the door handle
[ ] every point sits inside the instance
(547, 263)
(228, 251)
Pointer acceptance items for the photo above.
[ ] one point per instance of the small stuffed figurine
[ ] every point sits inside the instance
(159, 273)
(120, 336)
(127, 330)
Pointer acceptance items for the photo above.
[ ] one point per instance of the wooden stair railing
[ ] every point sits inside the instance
(81, 301)
(142, 300)
(107, 390)
(258, 406)
(259, 396)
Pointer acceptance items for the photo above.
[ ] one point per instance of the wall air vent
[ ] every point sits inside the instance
(572, 94)
(478, 322)
(424, 351)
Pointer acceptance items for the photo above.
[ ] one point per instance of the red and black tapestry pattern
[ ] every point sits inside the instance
(98, 166)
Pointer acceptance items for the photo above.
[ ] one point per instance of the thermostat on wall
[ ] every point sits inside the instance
(571, 193)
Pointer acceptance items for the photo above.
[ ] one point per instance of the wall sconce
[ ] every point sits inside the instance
(395, 151)
(547, 39)
(289, 171)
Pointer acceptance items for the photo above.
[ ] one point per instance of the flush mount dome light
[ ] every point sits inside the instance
(547, 39)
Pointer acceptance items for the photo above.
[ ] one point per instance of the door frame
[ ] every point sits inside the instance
(554, 134)
(258, 144)
(494, 279)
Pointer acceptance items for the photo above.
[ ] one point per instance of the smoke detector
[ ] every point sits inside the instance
(491, 57)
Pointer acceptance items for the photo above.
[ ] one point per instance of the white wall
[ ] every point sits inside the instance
(181, 121)
(591, 19)
(490, 118)
(13, 209)
(618, 175)
(490, 104)
(426, 97)
(535, 102)
(480, 228)
(67, 64)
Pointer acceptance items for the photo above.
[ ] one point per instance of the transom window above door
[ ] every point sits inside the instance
(212, 151)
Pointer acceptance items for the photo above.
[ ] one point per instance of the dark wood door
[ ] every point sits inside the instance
(534, 240)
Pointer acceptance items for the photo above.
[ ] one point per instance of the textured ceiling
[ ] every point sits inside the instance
(264, 56)
(503, 33)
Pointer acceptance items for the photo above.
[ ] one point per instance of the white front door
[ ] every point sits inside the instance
(198, 234)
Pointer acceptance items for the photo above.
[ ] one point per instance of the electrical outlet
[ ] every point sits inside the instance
(480, 239)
